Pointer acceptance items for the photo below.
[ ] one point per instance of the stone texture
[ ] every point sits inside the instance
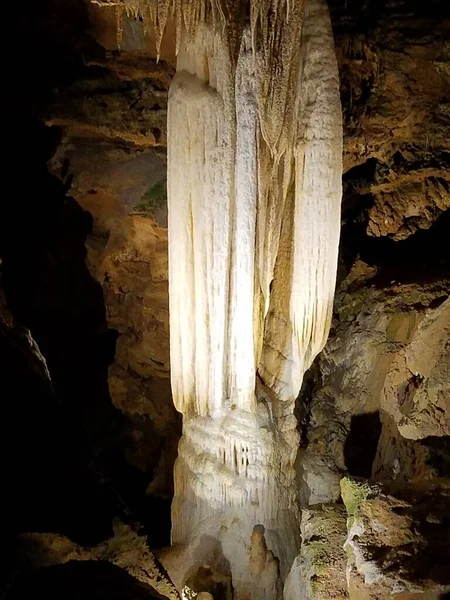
(112, 105)
(398, 540)
(113, 118)
(126, 549)
(374, 331)
(318, 573)
(395, 70)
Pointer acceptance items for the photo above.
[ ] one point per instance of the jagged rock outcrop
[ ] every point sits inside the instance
(395, 73)
(126, 549)
(128, 106)
(117, 173)
(125, 193)
(318, 572)
(387, 541)
(369, 406)
(398, 538)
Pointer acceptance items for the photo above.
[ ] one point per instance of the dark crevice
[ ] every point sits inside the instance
(49, 290)
(438, 454)
(423, 257)
(361, 444)
(304, 403)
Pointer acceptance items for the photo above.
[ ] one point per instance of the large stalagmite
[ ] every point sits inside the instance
(254, 189)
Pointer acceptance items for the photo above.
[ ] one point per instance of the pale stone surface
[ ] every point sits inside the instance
(319, 481)
(310, 220)
(229, 550)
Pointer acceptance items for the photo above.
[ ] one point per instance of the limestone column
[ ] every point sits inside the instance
(254, 191)
(254, 188)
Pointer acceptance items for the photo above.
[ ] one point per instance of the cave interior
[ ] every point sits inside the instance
(90, 433)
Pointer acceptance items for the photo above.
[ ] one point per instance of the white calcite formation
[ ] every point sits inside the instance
(254, 190)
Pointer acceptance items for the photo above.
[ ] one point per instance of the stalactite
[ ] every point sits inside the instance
(285, 296)
(306, 269)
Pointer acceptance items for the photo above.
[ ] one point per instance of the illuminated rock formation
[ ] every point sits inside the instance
(254, 189)
(254, 199)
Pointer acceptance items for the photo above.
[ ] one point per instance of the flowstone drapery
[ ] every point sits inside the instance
(254, 189)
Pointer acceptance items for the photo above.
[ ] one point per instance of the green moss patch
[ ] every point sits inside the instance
(354, 494)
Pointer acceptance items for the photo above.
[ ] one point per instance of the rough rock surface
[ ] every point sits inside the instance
(395, 70)
(126, 550)
(124, 191)
(318, 573)
(115, 174)
(369, 406)
(398, 539)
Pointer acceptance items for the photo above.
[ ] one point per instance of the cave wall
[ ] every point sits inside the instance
(395, 80)
(376, 402)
